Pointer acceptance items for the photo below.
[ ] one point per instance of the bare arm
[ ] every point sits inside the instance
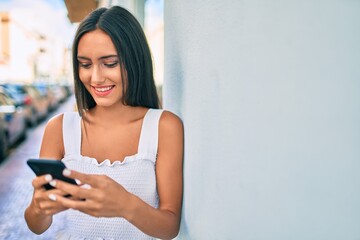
(38, 214)
(162, 222)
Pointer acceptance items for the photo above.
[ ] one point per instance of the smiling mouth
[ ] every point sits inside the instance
(103, 89)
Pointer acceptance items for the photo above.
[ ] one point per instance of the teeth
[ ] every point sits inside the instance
(104, 89)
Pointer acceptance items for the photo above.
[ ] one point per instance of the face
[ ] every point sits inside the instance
(99, 68)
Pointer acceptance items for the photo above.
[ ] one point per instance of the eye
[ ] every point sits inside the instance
(111, 65)
(84, 65)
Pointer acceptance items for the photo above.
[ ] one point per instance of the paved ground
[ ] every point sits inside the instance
(16, 189)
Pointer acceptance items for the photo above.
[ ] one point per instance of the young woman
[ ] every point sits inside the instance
(125, 153)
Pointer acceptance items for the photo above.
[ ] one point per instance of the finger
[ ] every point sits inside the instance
(70, 189)
(83, 178)
(48, 203)
(76, 204)
(56, 192)
(43, 196)
(50, 207)
(38, 182)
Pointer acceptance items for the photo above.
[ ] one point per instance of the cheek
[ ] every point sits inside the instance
(114, 75)
(84, 75)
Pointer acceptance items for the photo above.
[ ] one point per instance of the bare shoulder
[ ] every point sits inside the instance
(171, 135)
(55, 123)
(52, 146)
(170, 122)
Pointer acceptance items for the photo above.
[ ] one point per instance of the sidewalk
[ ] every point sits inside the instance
(16, 189)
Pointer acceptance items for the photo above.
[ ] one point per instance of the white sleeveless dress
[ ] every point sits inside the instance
(135, 173)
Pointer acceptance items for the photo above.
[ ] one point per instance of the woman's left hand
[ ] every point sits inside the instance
(102, 196)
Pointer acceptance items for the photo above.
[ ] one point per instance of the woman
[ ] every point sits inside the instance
(125, 153)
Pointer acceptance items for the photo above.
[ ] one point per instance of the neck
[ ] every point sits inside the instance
(107, 115)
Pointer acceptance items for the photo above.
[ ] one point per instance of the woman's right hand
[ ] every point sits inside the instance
(41, 203)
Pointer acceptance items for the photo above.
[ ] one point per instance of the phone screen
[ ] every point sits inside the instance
(52, 167)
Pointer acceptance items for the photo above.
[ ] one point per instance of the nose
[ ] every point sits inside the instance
(97, 76)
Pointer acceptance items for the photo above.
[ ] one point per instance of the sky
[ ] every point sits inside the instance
(49, 16)
(154, 13)
(52, 15)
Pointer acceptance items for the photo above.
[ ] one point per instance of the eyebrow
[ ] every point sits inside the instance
(100, 58)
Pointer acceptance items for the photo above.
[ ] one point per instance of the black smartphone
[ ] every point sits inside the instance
(52, 167)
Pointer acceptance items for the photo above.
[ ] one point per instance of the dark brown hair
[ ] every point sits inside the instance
(133, 52)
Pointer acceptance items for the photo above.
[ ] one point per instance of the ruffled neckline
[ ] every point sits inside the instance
(107, 162)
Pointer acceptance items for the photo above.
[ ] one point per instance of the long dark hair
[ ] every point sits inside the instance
(134, 55)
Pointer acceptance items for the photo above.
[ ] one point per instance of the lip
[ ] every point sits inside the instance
(102, 90)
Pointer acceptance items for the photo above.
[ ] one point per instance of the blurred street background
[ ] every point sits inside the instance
(36, 83)
(15, 184)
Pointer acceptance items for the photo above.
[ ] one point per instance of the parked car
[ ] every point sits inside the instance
(68, 89)
(47, 93)
(14, 121)
(3, 139)
(38, 102)
(23, 99)
(60, 92)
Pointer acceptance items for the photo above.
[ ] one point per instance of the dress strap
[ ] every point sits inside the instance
(72, 133)
(148, 143)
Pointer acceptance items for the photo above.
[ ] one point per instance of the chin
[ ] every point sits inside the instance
(106, 103)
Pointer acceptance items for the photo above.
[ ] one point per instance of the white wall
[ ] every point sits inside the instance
(269, 92)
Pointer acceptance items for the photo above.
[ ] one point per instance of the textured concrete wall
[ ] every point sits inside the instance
(269, 92)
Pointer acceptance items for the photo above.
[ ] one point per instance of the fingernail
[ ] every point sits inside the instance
(53, 183)
(86, 186)
(52, 197)
(66, 172)
(48, 178)
(78, 182)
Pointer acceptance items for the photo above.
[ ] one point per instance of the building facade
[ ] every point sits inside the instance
(29, 51)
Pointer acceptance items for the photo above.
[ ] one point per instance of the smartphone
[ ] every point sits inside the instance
(52, 167)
